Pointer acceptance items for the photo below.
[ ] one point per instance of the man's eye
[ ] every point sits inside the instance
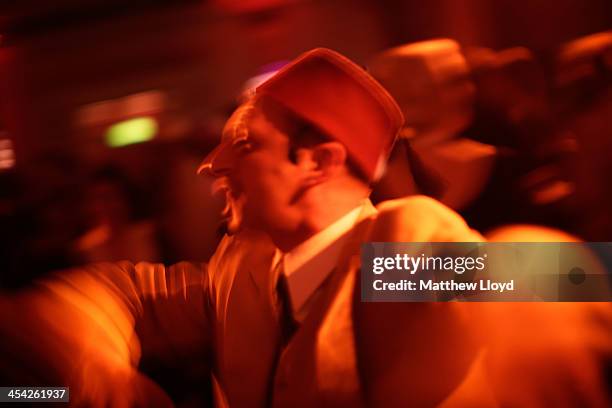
(244, 146)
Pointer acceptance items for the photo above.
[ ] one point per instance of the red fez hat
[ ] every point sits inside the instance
(342, 100)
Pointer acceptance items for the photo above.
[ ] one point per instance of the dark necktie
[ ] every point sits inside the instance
(288, 324)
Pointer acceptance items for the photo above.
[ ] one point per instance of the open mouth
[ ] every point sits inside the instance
(220, 188)
(231, 213)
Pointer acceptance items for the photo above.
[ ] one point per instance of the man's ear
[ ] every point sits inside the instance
(329, 157)
(321, 161)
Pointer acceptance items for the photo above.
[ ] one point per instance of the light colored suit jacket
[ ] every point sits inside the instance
(326, 362)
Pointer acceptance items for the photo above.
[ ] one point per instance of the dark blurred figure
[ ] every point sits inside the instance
(530, 183)
(114, 231)
(431, 82)
(484, 122)
(38, 223)
(11, 225)
(583, 95)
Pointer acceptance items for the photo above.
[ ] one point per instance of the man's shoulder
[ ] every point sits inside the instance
(419, 218)
(416, 203)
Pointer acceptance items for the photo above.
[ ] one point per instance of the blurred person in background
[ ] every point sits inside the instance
(113, 232)
(41, 223)
(583, 93)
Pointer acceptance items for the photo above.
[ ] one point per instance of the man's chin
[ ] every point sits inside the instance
(233, 214)
(234, 221)
(233, 227)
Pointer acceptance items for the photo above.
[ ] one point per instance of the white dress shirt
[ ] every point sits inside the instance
(308, 265)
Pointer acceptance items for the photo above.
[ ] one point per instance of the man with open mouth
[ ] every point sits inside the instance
(275, 316)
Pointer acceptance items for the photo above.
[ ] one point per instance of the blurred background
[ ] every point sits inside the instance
(107, 107)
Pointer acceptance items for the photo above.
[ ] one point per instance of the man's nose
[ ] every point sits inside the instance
(219, 162)
(219, 168)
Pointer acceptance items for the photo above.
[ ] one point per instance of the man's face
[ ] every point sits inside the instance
(260, 182)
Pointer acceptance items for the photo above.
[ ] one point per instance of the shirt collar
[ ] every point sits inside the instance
(311, 262)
